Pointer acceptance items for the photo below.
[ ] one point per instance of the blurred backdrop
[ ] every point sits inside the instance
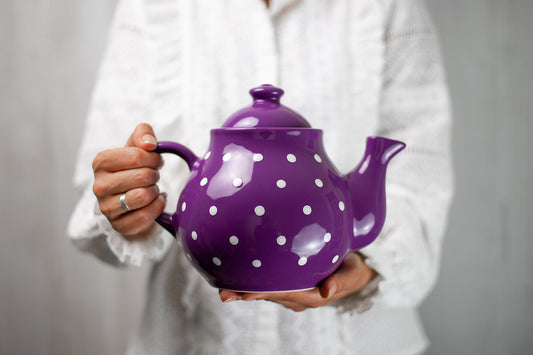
(55, 300)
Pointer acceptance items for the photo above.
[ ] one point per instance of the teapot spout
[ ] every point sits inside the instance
(367, 189)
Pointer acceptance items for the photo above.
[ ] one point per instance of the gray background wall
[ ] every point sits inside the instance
(53, 300)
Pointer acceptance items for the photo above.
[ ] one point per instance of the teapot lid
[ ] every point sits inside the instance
(266, 111)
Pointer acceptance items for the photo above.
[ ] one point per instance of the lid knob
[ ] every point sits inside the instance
(267, 92)
(266, 111)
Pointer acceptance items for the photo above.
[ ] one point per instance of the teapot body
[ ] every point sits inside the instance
(264, 210)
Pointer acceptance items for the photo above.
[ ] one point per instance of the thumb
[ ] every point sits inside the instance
(345, 278)
(143, 137)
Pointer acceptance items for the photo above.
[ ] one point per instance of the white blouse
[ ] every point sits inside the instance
(353, 68)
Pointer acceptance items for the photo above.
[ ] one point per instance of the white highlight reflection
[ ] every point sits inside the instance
(238, 168)
(364, 226)
(309, 241)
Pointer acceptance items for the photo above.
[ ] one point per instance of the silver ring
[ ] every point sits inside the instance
(123, 203)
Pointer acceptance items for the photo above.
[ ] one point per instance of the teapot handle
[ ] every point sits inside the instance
(165, 219)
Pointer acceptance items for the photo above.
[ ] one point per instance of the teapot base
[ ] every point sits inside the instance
(271, 291)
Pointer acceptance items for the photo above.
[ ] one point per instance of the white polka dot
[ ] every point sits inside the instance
(237, 182)
(281, 240)
(257, 157)
(319, 183)
(226, 157)
(307, 210)
(327, 237)
(234, 240)
(335, 259)
(194, 235)
(259, 210)
(207, 155)
(217, 261)
(256, 263)
(318, 158)
(291, 158)
(183, 206)
(203, 182)
(302, 261)
(213, 210)
(341, 205)
(281, 183)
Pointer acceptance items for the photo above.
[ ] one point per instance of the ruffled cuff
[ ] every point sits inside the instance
(135, 252)
(92, 232)
(360, 301)
(405, 257)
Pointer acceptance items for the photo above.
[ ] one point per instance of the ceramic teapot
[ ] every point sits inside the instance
(265, 210)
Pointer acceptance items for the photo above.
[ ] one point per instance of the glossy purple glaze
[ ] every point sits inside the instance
(265, 210)
(266, 111)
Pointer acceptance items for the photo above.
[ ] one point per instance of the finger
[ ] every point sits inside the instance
(271, 296)
(328, 288)
(307, 297)
(293, 306)
(125, 159)
(135, 199)
(139, 221)
(299, 301)
(110, 184)
(228, 296)
(346, 279)
(143, 137)
(277, 297)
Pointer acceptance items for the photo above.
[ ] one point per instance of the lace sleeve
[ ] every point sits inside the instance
(120, 101)
(415, 109)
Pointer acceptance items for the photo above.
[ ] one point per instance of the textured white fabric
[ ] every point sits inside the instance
(353, 68)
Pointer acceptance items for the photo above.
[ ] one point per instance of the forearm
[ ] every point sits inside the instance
(415, 109)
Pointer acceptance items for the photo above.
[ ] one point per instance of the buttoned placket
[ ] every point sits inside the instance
(268, 313)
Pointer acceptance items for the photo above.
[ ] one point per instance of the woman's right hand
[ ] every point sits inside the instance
(133, 171)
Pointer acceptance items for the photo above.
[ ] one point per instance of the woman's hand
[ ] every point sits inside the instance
(133, 171)
(350, 277)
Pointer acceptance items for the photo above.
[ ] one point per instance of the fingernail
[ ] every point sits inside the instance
(163, 196)
(149, 139)
(232, 298)
(332, 291)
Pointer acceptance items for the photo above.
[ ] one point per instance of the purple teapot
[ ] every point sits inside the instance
(265, 210)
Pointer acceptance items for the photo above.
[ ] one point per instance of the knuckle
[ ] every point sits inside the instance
(137, 196)
(315, 305)
(97, 161)
(138, 177)
(143, 127)
(119, 227)
(99, 189)
(134, 157)
(128, 229)
(142, 197)
(146, 176)
(106, 210)
(144, 219)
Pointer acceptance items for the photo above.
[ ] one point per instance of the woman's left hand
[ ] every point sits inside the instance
(350, 277)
